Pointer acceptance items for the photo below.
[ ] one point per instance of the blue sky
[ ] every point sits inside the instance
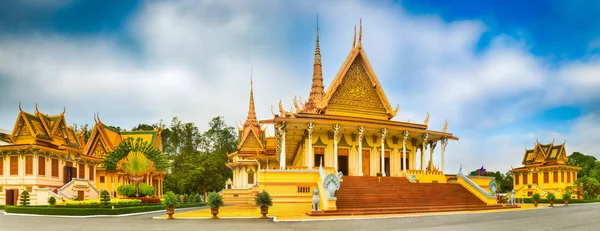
(503, 73)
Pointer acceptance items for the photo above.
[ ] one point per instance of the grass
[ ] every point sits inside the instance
(87, 211)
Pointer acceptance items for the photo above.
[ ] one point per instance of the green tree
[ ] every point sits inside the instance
(24, 198)
(587, 164)
(105, 198)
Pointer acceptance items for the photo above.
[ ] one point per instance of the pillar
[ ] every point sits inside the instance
(431, 149)
(425, 137)
(405, 136)
(361, 130)
(282, 158)
(336, 130)
(444, 142)
(309, 150)
(383, 133)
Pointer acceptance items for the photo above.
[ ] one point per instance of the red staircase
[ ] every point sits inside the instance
(391, 195)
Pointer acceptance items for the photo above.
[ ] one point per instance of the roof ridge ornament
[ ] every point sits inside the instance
(445, 125)
(36, 108)
(360, 35)
(354, 40)
(20, 109)
(426, 122)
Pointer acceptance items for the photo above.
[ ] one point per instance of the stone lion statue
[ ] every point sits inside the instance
(511, 200)
(316, 202)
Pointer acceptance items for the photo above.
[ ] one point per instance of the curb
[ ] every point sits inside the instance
(91, 216)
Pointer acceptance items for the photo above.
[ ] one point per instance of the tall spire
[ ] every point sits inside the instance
(360, 34)
(317, 88)
(251, 119)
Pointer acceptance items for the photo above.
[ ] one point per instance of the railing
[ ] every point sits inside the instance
(543, 189)
(483, 195)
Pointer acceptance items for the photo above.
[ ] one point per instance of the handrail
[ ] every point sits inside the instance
(543, 189)
(475, 186)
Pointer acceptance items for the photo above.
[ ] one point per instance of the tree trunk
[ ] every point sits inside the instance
(137, 189)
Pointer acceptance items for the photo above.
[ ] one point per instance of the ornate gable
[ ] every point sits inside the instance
(356, 92)
(98, 149)
(22, 130)
(251, 141)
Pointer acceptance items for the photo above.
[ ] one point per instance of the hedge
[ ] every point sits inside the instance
(559, 200)
(79, 211)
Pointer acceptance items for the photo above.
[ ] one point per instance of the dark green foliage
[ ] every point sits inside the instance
(105, 198)
(138, 145)
(52, 201)
(504, 181)
(24, 198)
(263, 199)
(551, 196)
(214, 200)
(198, 158)
(566, 196)
(126, 190)
(197, 198)
(586, 195)
(146, 190)
(76, 199)
(536, 197)
(572, 201)
(80, 211)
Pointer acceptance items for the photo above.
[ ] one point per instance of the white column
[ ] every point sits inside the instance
(405, 136)
(282, 158)
(425, 137)
(309, 149)
(361, 130)
(444, 143)
(383, 133)
(336, 130)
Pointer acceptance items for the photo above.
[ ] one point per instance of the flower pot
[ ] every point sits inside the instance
(551, 203)
(264, 210)
(170, 212)
(535, 203)
(214, 211)
(566, 203)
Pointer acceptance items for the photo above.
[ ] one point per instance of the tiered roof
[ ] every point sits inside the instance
(545, 154)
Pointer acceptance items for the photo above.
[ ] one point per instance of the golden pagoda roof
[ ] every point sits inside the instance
(545, 154)
(251, 137)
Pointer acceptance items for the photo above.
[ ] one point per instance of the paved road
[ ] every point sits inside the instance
(575, 217)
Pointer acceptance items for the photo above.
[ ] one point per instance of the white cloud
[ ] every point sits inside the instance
(195, 56)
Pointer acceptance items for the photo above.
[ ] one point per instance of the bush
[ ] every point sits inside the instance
(567, 196)
(145, 190)
(170, 200)
(80, 211)
(52, 201)
(126, 190)
(215, 200)
(536, 197)
(551, 196)
(76, 199)
(105, 198)
(97, 202)
(197, 198)
(186, 198)
(586, 195)
(24, 198)
(263, 199)
(148, 200)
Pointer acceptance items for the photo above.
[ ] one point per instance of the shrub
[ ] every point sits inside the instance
(550, 196)
(97, 202)
(536, 197)
(52, 201)
(586, 195)
(146, 190)
(24, 198)
(566, 196)
(197, 198)
(105, 198)
(263, 199)
(76, 199)
(170, 200)
(126, 190)
(215, 200)
(147, 200)
(186, 198)
(80, 211)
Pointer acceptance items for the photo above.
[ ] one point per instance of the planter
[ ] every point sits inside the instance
(551, 203)
(170, 212)
(264, 210)
(535, 203)
(566, 203)
(214, 211)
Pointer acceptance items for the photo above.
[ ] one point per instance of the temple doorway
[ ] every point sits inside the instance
(11, 196)
(387, 166)
(81, 195)
(366, 163)
(343, 165)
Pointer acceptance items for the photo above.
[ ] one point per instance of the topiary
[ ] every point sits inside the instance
(566, 196)
(126, 190)
(197, 198)
(214, 200)
(52, 201)
(24, 198)
(105, 198)
(171, 200)
(550, 196)
(536, 197)
(146, 190)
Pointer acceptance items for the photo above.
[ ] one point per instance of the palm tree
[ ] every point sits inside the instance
(136, 165)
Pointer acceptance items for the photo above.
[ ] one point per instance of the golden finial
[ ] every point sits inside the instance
(426, 119)
(98, 116)
(36, 108)
(552, 141)
(281, 111)
(64, 110)
(20, 109)
(354, 40)
(445, 126)
(396, 110)
(296, 105)
(360, 35)
(95, 120)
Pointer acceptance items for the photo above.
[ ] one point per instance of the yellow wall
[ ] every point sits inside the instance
(558, 187)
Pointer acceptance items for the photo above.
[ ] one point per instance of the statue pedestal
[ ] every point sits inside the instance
(315, 213)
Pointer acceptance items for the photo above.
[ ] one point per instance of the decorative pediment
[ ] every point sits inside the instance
(251, 141)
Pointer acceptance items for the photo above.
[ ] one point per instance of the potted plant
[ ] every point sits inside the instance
(536, 199)
(566, 197)
(171, 201)
(214, 201)
(551, 197)
(263, 200)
